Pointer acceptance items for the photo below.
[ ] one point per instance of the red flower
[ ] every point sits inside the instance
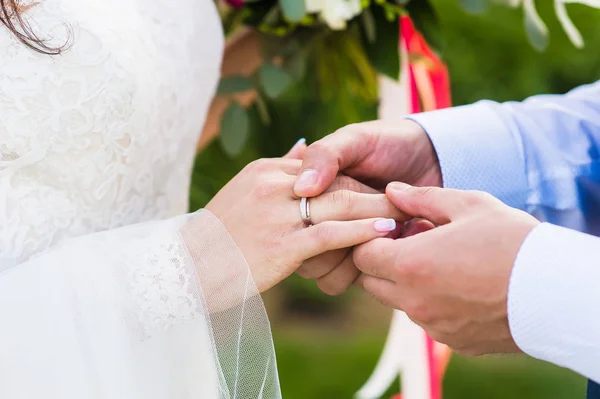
(235, 3)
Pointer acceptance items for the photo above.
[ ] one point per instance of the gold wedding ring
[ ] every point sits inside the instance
(305, 211)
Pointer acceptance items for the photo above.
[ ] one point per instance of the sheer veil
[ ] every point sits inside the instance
(164, 309)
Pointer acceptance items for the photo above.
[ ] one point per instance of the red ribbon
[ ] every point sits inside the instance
(429, 90)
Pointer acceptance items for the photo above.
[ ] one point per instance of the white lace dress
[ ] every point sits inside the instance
(100, 137)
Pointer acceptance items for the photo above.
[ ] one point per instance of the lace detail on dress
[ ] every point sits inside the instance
(103, 135)
(162, 289)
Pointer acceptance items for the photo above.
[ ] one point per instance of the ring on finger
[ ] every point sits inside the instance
(305, 211)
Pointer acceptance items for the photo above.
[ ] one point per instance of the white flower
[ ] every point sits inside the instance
(334, 12)
(314, 6)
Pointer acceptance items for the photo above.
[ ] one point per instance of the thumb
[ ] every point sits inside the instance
(297, 151)
(319, 170)
(325, 158)
(438, 205)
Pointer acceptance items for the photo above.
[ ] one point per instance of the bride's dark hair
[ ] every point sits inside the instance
(11, 16)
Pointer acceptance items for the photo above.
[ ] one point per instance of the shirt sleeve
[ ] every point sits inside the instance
(554, 298)
(540, 155)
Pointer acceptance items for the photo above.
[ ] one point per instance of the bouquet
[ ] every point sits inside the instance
(344, 43)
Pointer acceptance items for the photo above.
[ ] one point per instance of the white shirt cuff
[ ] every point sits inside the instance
(554, 298)
(477, 151)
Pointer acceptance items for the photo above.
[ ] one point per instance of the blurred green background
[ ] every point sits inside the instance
(326, 346)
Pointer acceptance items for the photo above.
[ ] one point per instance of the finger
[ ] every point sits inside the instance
(328, 236)
(415, 227)
(349, 205)
(264, 165)
(340, 278)
(325, 158)
(377, 258)
(297, 151)
(384, 291)
(320, 265)
(343, 182)
(438, 205)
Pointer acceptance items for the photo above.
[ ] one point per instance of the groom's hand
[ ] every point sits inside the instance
(452, 280)
(374, 153)
(334, 271)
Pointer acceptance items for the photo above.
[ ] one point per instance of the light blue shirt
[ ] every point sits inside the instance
(543, 156)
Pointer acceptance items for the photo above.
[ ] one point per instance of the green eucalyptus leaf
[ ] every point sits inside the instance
(293, 10)
(274, 80)
(384, 51)
(474, 6)
(295, 64)
(234, 84)
(235, 129)
(426, 22)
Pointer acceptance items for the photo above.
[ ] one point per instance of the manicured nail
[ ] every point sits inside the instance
(384, 225)
(397, 186)
(301, 141)
(307, 179)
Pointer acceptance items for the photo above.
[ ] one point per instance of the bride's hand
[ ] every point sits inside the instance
(259, 210)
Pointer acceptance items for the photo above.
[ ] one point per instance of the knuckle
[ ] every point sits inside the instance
(321, 150)
(420, 311)
(405, 269)
(389, 302)
(352, 128)
(343, 200)
(313, 269)
(426, 192)
(347, 183)
(261, 165)
(426, 197)
(330, 287)
(322, 234)
(363, 256)
(266, 188)
(305, 272)
(476, 198)
(360, 255)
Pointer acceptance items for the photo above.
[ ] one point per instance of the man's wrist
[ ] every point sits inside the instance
(432, 176)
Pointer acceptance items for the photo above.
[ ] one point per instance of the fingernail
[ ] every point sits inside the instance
(307, 179)
(301, 141)
(398, 186)
(384, 225)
